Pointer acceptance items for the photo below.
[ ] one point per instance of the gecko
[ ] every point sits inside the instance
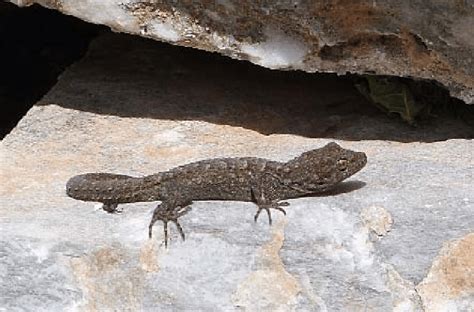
(261, 181)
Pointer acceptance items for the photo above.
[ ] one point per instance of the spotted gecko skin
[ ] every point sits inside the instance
(262, 181)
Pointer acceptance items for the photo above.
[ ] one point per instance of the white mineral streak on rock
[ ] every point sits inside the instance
(164, 30)
(278, 51)
(449, 285)
(334, 239)
(106, 12)
(346, 242)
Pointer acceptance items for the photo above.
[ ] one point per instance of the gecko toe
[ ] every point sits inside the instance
(280, 209)
(180, 229)
(166, 215)
(269, 215)
(182, 211)
(165, 230)
(255, 218)
(150, 231)
(267, 207)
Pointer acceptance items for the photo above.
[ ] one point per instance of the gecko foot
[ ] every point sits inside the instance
(166, 216)
(267, 207)
(111, 208)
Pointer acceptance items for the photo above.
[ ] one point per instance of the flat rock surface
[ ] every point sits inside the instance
(384, 240)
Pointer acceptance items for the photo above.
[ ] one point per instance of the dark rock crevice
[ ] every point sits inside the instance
(36, 46)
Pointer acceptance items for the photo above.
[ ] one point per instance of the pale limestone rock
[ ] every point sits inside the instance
(124, 109)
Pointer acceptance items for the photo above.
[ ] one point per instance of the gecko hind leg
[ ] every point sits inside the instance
(166, 215)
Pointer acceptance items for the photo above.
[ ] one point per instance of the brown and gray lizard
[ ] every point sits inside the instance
(258, 180)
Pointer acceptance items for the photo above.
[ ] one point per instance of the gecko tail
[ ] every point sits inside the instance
(101, 187)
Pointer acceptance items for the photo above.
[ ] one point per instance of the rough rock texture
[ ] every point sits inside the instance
(136, 107)
(431, 40)
(450, 281)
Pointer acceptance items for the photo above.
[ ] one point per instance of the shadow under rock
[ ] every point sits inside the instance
(135, 77)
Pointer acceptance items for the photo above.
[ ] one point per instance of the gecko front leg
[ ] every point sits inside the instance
(262, 196)
(169, 211)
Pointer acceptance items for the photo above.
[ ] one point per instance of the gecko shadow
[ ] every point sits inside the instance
(341, 188)
(129, 76)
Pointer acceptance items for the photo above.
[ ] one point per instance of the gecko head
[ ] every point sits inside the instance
(320, 169)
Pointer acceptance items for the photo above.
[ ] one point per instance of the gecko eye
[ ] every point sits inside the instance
(342, 164)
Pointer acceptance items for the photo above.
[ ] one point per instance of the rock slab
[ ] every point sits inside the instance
(397, 236)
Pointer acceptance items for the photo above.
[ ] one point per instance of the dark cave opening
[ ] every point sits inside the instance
(36, 46)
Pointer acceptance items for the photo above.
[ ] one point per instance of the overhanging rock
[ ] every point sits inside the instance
(419, 39)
